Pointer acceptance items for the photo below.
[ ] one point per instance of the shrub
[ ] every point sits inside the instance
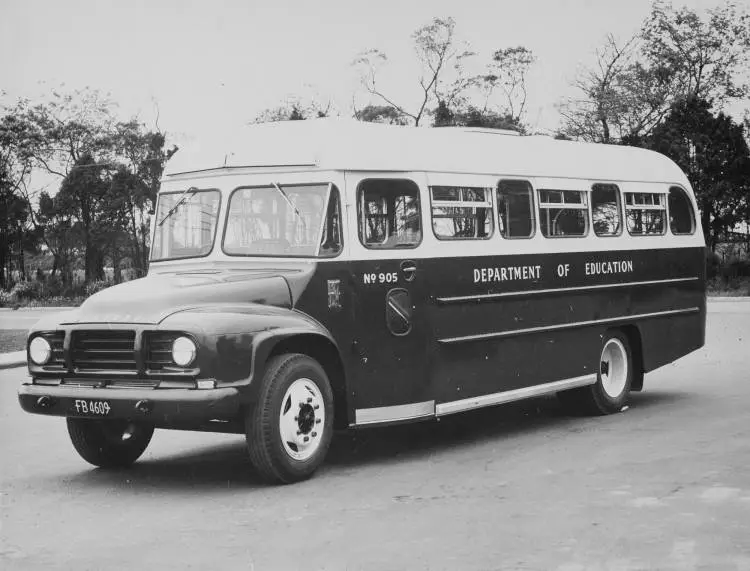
(95, 287)
(7, 299)
(26, 290)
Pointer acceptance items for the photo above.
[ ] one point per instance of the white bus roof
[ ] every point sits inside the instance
(346, 144)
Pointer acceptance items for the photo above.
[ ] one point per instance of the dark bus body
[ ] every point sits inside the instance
(348, 290)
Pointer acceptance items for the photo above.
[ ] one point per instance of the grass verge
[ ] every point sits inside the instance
(12, 340)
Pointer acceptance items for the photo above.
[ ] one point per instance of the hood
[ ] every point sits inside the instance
(152, 299)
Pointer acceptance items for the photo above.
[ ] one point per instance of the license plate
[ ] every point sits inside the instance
(92, 407)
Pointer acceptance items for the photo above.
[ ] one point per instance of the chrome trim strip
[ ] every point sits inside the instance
(514, 395)
(480, 297)
(394, 413)
(514, 332)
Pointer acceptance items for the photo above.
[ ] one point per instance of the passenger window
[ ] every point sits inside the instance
(681, 217)
(563, 213)
(461, 212)
(605, 210)
(645, 213)
(331, 239)
(515, 209)
(389, 214)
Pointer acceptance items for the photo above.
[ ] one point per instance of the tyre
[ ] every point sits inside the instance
(109, 443)
(614, 376)
(289, 430)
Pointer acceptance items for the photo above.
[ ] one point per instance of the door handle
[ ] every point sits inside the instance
(409, 269)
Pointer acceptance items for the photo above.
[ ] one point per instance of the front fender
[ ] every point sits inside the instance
(235, 341)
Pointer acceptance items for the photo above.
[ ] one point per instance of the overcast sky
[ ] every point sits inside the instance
(213, 65)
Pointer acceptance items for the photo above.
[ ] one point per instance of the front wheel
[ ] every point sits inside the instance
(109, 443)
(289, 430)
(614, 376)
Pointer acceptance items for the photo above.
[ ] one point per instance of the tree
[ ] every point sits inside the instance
(442, 78)
(109, 174)
(16, 233)
(714, 154)
(294, 110)
(677, 55)
(507, 74)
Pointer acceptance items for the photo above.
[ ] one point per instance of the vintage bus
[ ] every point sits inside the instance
(333, 274)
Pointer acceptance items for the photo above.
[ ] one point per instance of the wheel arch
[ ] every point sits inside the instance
(324, 351)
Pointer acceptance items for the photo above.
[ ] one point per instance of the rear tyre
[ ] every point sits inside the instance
(289, 430)
(614, 377)
(109, 443)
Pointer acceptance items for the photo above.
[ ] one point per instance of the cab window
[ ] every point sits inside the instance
(283, 220)
(645, 213)
(461, 212)
(515, 209)
(563, 213)
(681, 216)
(389, 213)
(605, 210)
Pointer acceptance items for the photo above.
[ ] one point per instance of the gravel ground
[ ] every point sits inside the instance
(12, 340)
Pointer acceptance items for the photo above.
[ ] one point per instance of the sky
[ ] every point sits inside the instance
(214, 65)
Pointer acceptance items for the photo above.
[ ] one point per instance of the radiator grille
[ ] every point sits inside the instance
(103, 350)
(55, 340)
(160, 350)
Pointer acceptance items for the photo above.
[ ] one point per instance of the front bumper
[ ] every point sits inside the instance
(164, 408)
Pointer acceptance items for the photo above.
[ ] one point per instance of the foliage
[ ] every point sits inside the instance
(712, 151)
(96, 287)
(294, 110)
(109, 174)
(447, 90)
(676, 55)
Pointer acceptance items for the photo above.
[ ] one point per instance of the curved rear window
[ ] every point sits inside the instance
(681, 216)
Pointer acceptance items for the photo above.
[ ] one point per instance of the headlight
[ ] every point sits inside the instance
(40, 350)
(183, 351)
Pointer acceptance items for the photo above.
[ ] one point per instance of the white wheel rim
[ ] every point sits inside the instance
(613, 367)
(302, 419)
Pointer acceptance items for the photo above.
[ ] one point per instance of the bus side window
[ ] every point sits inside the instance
(605, 210)
(515, 209)
(389, 213)
(681, 216)
(331, 241)
(563, 213)
(645, 213)
(461, 212)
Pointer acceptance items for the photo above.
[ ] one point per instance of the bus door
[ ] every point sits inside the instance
(388, 282)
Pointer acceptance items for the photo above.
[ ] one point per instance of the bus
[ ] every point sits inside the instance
(330, 274)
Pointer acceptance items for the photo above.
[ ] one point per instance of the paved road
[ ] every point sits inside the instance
(665, 485)
(25, 318)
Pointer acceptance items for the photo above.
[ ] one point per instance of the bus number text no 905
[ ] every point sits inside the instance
(380, 278)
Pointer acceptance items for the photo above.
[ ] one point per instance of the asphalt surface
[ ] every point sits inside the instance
(663, 485)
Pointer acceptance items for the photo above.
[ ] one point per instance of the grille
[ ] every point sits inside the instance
(160, 350)
(55, 340)
(97, 350)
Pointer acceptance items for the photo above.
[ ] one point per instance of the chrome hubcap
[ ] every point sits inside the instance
(302, 419)
(613, 367)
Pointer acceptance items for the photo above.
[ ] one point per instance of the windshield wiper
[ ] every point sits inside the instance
(291, 204)
(183, 197)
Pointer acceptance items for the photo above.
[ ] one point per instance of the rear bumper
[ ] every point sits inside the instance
(165, 408)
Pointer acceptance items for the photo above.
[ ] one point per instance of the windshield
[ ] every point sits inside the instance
(282, 220)
(185, 224)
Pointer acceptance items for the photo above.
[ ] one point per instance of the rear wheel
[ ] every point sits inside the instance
(109, 443)
(614, 376)
(289, 430)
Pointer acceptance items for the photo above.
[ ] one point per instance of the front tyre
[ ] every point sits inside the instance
(289, 430)
(109, 443)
